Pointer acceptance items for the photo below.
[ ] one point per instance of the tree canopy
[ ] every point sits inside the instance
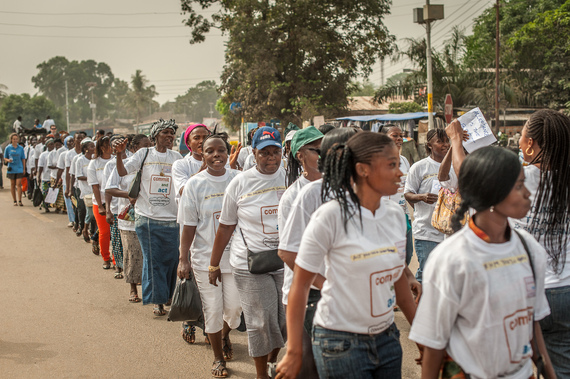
(30, 108)
(293, 59)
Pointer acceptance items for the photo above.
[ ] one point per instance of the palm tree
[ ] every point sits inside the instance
(142, 94)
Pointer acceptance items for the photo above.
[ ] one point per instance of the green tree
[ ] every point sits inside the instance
(290, 59)
(197, 101)
(404, 107)
(29, 108)
(363, 89)
(142, 94)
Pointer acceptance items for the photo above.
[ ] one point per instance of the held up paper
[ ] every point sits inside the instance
(480, 134)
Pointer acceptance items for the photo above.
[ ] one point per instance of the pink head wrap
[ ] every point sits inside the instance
(189, 130)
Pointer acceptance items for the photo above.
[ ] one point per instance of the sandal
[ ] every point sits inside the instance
(86, 236)
(134, 298)
(158, 310)
(227, 349)
(95, 250)
(219, 369)
(188, 333)
(20, 203)
(106, 265)
(15, 203)
(118, 275)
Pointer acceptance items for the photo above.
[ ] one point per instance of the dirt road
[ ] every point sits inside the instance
(63, 316)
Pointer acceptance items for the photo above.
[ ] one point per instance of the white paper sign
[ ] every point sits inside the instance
(51, 196)
(480, 134)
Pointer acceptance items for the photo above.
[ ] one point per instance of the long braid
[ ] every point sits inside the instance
(551, 130)
(294, 169)
(459, 215)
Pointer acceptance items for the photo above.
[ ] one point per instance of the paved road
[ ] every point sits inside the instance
(63, 316)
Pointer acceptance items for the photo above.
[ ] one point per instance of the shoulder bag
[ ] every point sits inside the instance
(447, 204)
(263, 261)
(135, 186)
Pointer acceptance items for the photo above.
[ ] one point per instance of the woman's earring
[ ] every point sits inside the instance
(531, 153)
(492, 209)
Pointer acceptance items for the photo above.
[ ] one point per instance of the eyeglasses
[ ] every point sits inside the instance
(267, 153)
(318, 151)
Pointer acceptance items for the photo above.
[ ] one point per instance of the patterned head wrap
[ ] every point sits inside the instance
(160, 125)
(66, 141)
(189, 130)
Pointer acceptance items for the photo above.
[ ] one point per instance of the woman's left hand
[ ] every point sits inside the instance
(109, 217)
(234, 156)
(289, 366)
(102, 210)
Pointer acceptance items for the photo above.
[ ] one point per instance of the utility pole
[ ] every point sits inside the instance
(66, 106)
(497, 57)
(92, 105)
(427, 15)
(382, 72)
(211, 111)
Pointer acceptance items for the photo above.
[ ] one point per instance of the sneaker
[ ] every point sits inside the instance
(271, 369)
(70, 225)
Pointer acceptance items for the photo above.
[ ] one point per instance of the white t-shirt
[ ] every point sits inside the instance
(48, 123)
(73, 169)
(81, 166)
(399, 198)
(61, 159)
(284, 208)
(107, 171)
(243, 154)
(38, 150)
(182, 170)
(422, 178)
(251, 202)
(69, 157)
(157, 195)
(478, 303)
(95, 176)
(200, 206)
(249, 162)
(552, 279)
(52, 161)
(43, 162)
(29, 152)
(123, 183)
(361, 265)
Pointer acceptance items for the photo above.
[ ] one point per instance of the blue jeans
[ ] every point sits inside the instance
(556, 330)
(159, 244)
(357, 356)
(423, 249)
(69, 206)
(409, 242)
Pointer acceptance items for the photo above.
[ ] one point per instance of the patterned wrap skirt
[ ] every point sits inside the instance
(117, 245)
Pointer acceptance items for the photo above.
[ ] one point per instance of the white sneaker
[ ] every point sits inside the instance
(70, 225)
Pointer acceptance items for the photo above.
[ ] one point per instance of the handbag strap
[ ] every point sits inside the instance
(242, 236)
(144, 159)
(539, 359)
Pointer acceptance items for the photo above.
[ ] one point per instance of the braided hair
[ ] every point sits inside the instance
(486, 178)
(340, 169)
(439, 133)
(294, 169)
(102, 142)
(223, 136)
(551, 206)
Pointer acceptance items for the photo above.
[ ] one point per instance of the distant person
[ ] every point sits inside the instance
(48, 123)
(37, 124)
(16, 160)
(53, 131)
(100, 133)
(17, 126)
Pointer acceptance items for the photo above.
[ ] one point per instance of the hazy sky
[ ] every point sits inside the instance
(148, 35)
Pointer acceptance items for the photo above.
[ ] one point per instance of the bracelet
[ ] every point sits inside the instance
(213, 268)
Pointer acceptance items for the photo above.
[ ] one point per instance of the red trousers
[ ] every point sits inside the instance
(104, 235)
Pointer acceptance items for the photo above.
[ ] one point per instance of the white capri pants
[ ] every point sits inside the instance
(219, 303)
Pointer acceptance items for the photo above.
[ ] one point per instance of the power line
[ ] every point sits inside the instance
(98, 37)
(174, 80)
(89, 14)
(95, 27)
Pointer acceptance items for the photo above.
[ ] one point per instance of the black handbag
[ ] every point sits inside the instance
(135, 187)
(262, 262)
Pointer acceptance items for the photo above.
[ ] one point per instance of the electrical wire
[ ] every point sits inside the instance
(99, 37)
(95, 26)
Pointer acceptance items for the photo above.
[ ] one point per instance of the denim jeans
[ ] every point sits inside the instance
(159, 243)
(68, 206)
(423, 249)
(556, 330)
(357, 356)
(409, 242)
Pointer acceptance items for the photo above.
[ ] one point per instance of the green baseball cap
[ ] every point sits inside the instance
(303, 137)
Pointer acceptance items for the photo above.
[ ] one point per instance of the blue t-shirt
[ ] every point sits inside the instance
(16, 154)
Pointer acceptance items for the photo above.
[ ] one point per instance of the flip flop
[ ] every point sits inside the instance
(118, 275)
(106, 266)
(158, 311)
(134, 298)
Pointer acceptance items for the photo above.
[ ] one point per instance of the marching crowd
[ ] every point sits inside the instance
(308, 241)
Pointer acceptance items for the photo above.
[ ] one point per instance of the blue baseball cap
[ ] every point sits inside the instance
(266, 136)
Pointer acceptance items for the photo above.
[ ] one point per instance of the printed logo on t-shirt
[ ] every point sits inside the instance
(160, 185)
(269, 219)
(401, 246)
(518, 328)
(530, 287)
(374, 253)
(435, 186)
(379, 305)
(271, 243)
(167, 169)
(504, 262)
(216, 217)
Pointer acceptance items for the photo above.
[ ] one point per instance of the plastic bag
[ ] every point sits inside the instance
(37, 197)
(186, 302)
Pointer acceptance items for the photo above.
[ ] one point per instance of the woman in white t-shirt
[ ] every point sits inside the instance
(199, 211)
(545, 145)
(117, 193)
(43, 177)
(251, 204)
(192, 163)
(421, 192)
(484, 289)
(156, 210)
(84, 189)
(396, 135)
(361, 237)
(96, 180)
